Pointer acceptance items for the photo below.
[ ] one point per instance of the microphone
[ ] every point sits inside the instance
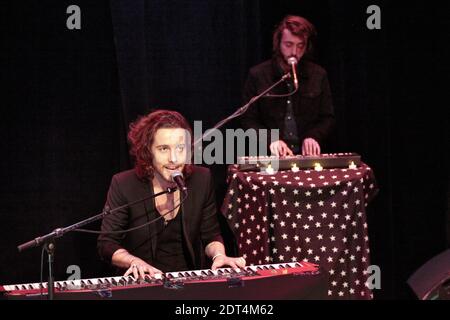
(293, 62)
(177, 177)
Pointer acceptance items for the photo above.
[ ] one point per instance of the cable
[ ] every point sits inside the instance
(42, 271)
(280, 95)
(134, 228)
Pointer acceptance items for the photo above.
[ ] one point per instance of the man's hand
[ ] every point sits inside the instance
(139, 268)
(280, 148)
(310, 147)
(222, 260)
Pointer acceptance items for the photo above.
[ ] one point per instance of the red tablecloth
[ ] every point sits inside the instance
(315, 216)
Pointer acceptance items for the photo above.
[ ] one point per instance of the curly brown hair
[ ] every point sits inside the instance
(141, 136)
(299, 27)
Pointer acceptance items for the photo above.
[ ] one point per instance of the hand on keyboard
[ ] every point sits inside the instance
(223, 260)
(139, 268)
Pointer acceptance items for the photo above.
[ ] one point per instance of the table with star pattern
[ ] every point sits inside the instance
(307, 215)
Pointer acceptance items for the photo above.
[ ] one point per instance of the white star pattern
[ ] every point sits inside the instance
(276, 220)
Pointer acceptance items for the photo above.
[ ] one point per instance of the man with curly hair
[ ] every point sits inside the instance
(188, 230)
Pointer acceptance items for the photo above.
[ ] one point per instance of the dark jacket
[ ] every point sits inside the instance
(199, 217)
(312, 104)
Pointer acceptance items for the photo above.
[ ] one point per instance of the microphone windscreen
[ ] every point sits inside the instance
(292, 60)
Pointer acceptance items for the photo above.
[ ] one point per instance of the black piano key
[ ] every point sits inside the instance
(204, 272)
(147, 278)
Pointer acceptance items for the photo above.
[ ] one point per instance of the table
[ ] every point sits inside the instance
(314, 216)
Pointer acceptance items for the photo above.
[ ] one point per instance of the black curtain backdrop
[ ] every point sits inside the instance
(69, 96)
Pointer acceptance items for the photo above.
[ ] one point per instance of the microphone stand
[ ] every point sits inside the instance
(48, 240)
(242, 109)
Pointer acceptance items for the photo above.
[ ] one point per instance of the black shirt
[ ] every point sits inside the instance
(171, 254)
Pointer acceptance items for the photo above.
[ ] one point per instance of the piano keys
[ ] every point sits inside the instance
(298, 280)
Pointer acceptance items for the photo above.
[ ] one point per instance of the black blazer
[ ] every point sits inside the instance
(199, 217)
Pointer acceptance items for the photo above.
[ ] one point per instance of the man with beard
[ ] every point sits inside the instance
(304, 118)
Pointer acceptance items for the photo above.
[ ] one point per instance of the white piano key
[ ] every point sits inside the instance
(214, 272)
(158, 276)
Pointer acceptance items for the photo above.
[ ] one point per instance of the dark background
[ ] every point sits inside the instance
(68, 97)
